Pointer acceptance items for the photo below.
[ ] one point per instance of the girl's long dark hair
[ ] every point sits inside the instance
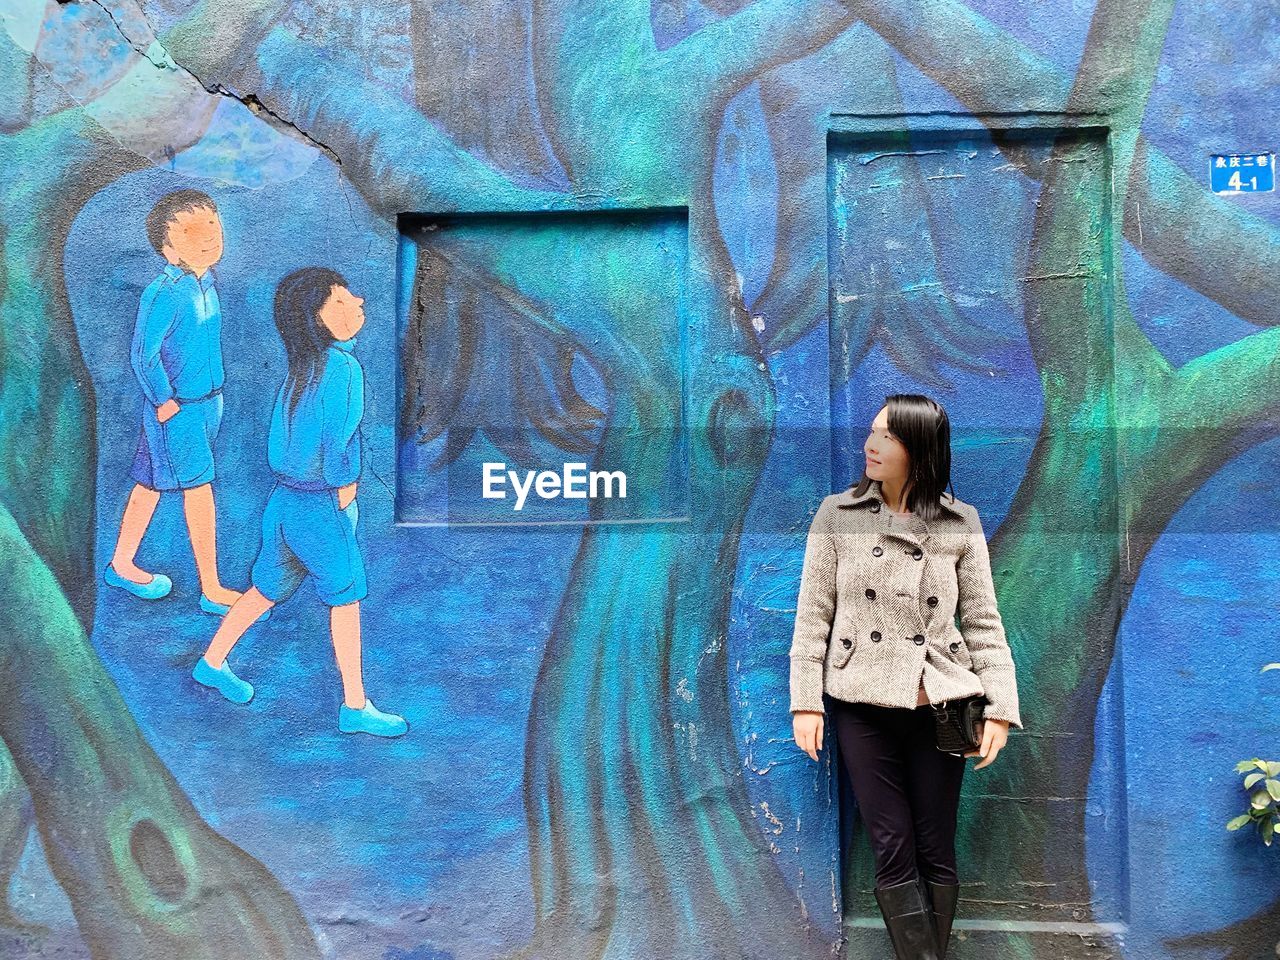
(922, 426)
(299, 297)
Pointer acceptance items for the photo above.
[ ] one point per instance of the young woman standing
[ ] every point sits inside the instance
(888, 565)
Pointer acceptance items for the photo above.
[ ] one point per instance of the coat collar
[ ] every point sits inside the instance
(175, 272)
(873, 494)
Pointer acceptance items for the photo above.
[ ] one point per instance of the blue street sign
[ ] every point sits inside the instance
(1242, 172)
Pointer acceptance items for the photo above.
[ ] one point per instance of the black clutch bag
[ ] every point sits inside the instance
(956, 723)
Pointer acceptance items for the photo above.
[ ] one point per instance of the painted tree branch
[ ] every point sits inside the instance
(1232, 257)
(398, 159)
(473, 75)
(730, 52)
(635, 124)
(1213, 245)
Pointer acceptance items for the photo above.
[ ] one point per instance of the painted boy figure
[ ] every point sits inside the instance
(177, 358)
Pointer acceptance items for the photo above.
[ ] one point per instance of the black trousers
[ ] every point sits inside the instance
(908, 791)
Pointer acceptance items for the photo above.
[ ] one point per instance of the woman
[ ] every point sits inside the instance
(888, 564)
(309, 525)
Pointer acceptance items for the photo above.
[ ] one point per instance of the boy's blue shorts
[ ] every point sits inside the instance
(178, 454)
(304, 533)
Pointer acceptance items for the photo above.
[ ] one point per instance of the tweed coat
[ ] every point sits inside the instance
(877, 607)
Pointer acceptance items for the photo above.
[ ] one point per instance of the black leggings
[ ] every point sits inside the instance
(908, 791)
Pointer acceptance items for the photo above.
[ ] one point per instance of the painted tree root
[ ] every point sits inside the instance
(146, 876)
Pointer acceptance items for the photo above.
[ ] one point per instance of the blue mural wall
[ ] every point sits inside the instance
(698, 242)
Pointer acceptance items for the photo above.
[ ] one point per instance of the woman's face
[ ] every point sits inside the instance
(885, 455)
(342, 314)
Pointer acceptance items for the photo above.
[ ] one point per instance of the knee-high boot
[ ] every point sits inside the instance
(909, 921)
(941, 899)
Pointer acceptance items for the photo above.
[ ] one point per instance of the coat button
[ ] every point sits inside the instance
(918, 639)
(917, 553)
(877, 550)
(875, 636)
(955, 646)
(871, 594)
(875, 506)
(932, 601)
(847, 642)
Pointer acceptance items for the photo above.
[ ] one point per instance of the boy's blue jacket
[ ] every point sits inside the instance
(177, 339)
(318, 447)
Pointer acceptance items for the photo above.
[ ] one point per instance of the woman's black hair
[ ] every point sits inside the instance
(921, 425)
(299, 297)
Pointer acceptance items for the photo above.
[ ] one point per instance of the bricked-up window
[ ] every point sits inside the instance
(551, 347)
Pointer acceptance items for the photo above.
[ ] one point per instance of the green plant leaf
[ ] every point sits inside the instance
(1271, 666)
(1261, 800)
(1244, 765)
(1268, 828)
(1273, 788)
(1253, 778)
(1273, 768)
(1237, 822)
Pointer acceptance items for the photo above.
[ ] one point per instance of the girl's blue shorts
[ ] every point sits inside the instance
(305, 534)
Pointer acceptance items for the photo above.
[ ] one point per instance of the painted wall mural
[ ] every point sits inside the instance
(693, 241)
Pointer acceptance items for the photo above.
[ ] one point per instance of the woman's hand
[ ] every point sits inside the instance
(993, 735)
(806, 725)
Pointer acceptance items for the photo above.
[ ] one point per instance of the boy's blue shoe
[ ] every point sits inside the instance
(220, 609)
(371, 720)
(159, 585)
(222, 680)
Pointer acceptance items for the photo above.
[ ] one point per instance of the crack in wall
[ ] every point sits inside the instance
(159, 56)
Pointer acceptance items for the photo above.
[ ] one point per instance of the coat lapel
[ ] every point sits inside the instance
(915, 531)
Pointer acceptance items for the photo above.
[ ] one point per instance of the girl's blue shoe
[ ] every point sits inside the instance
(159, 585)
(220, 609)
(371, 720)
(222, 680)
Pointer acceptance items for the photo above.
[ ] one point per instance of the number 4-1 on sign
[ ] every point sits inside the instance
(1242, 172)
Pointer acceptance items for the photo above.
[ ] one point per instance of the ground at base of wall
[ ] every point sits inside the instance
(997, 945)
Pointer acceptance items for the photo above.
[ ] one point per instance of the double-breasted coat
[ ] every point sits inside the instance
(878, 603)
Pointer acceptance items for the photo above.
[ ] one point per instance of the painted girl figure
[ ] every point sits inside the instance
(309, 525)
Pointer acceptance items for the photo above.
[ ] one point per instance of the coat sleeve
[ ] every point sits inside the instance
(983, 629)
(815, 609)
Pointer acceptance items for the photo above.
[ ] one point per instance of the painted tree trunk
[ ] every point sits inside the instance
(641, 839)
(146, 876)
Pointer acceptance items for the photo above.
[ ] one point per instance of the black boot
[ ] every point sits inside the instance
(908, 919)
(942, 898)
